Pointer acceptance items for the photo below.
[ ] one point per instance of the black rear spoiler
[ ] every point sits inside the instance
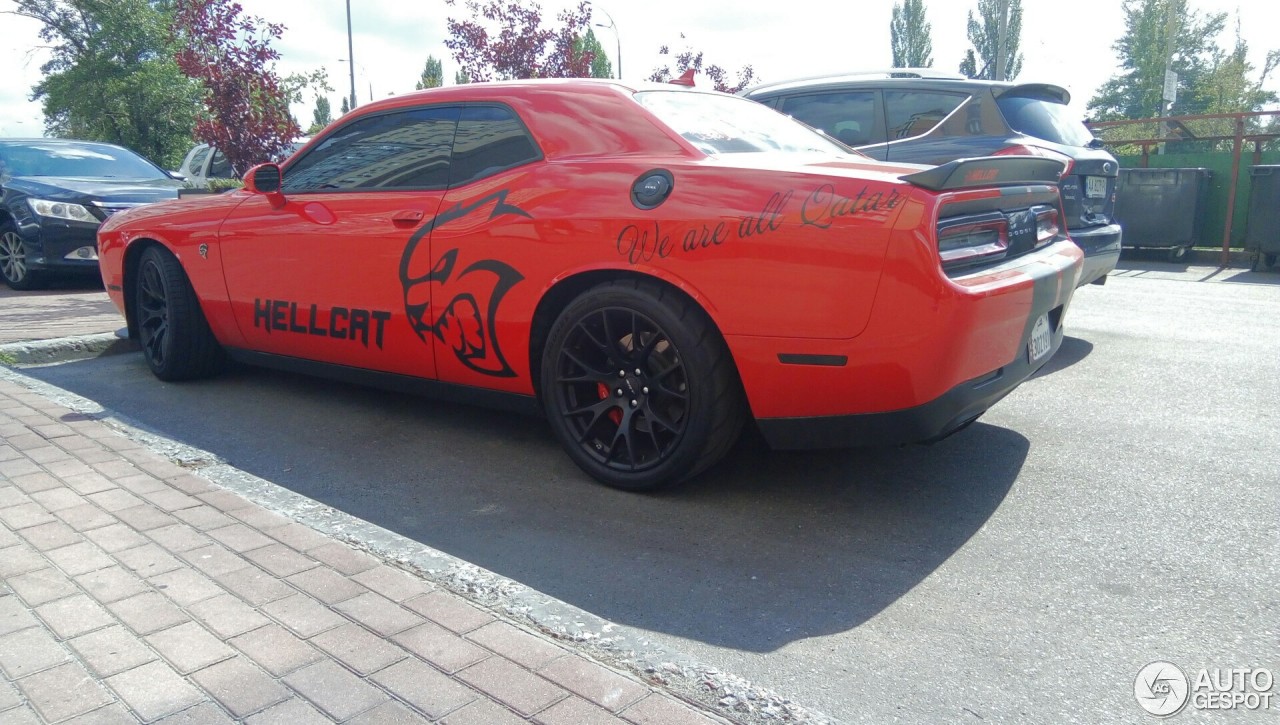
(989, 171)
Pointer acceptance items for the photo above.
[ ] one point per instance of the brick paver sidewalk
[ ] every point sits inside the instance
(46, 314)
(134, 591)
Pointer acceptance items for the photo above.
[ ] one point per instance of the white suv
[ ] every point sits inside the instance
(203, 162)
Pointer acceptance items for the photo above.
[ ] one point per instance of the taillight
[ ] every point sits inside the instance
(1047, 226)
(1024, 150)
(973, 240)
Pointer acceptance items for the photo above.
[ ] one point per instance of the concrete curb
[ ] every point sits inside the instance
(622, 647)
(65, 349)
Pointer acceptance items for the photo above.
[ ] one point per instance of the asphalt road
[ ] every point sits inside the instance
(1120, 508)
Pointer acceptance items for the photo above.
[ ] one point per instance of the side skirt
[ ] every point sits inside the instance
(394, 382)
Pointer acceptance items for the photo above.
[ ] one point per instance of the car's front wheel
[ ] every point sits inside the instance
(639, 386)
(176, 340)
(13, 260)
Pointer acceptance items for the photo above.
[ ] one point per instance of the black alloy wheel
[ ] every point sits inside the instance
(13, 260)
(176, 340)
(639, 386)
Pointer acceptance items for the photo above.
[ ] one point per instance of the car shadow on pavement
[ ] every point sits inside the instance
(765, 549)
(1071, 351)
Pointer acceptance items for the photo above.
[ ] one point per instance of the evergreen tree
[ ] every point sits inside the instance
(321, 116)
(909, 36)
(984, 35)
(1153, 28)
(432, 74)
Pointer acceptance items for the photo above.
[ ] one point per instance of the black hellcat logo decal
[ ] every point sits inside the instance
(465, 302)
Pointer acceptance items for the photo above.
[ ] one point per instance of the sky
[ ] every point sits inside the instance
(1068, 43)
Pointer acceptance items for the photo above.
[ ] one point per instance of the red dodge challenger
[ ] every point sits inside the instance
(651, 267)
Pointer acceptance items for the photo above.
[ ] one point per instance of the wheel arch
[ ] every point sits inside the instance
(132, 258)
(567, 288)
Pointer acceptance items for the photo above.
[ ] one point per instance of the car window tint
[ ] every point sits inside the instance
(197, 161)
(219, 167)
(716, 123)
(913, 113)
(847, 116)
(77, 158)
(490, 139)
(398, 150)
(1043, 118)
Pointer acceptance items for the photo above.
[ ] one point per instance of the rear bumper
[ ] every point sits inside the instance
(1101, 247)
(925, 365)
(926, 423)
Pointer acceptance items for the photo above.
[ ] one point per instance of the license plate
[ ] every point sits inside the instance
(1041, 339)
(1095, 187)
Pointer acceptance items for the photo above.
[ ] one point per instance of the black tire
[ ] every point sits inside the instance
(13, 260)
(1270, 259)
(639, 386)
(176, 340)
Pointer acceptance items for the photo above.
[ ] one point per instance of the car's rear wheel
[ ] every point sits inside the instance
(639, 386)
(13, 260)
(176, 340)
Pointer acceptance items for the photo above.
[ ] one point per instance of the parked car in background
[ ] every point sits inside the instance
(53, 195)
(694, 262)
(204, 162)
(923, 116)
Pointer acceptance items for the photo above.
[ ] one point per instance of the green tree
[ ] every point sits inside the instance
(1229, 87)
(432, 74)
(346, 105)
(320, 117)
(984, 35)
(600, 65)
(1153, 28)
(909, 36)
(112, 76)
(461, 78)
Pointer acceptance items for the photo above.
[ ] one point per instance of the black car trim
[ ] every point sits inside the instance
(788, 358)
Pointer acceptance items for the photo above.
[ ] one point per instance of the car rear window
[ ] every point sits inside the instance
(1043, 118)
(721, 124)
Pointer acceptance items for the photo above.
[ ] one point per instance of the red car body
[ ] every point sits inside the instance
(820, 271)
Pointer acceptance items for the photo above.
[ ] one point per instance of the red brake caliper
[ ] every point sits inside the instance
(615, 414)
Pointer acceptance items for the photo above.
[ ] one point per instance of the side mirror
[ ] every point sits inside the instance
(265, 179)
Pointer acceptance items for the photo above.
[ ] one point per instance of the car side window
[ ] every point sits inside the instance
(915, 113)
(406, 149)
(197, 162)
(490, 139)
(219, 167)
(847, 116)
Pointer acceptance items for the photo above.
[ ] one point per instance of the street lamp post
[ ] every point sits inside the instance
(613, 25)
(367, 77)
(351, 60)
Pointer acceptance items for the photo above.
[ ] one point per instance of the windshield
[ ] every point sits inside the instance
(720, 124)
(1043, 118)
(96, 161)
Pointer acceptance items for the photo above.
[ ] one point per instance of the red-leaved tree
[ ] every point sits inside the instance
(688, 59)
(246, 109)
(506, 40)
